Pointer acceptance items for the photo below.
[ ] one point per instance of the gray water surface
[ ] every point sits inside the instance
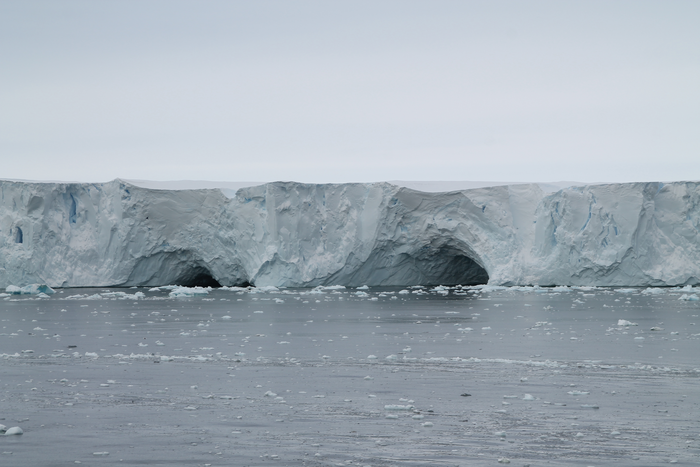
(380, 377)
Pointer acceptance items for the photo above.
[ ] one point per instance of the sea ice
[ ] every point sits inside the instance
(31, 289)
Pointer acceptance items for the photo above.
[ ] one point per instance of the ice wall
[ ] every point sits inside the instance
(291, 234)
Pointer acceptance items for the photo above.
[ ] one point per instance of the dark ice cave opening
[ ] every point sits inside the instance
(197, 277)
(449, 267)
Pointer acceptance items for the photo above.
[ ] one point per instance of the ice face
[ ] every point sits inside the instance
(292, 234)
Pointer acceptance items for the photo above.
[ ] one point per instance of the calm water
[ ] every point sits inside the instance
(377, 377)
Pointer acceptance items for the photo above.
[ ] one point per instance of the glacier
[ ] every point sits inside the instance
(289, 234)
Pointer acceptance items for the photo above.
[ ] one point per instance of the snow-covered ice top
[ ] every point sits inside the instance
(293, 234)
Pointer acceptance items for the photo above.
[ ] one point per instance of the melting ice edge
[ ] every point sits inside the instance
(303, 235)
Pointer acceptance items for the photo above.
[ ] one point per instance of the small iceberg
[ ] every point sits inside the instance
(31, 289)
(189, 291)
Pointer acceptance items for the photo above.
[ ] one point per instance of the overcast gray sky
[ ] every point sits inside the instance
(336, 91)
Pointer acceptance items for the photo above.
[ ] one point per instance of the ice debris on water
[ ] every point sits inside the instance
(15, 430)
(398, 407)
(624, 322)
(182, 291)
(31, 289)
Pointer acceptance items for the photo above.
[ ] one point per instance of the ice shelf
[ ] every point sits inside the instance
(294, 234)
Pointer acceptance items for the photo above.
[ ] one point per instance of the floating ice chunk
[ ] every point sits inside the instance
(100, 453)
(404, 292)
(490, 288)
(189, 291)
(418, 417)
(653, 291)
(528, 397)
(392, 416)
(91, 354)
(578, 393)
(31, 289)
(639, 338)
(226, 317)
(398, 407)
(363, 287)
(15, 430)
(3, 428)
(190, 407)
(486, 328)
(391, 357)
(503, 460)
(689, 298)
(427, 424)
(500, 434)
(258, 312)
(589, 406)
(624, 322)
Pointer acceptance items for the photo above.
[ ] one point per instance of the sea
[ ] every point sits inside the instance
(336, 376)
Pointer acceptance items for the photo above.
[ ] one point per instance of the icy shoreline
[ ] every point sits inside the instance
(301, 235)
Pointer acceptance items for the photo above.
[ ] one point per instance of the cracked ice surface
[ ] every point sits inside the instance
(292, 234)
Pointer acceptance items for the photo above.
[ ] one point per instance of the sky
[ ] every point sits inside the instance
(350, 91)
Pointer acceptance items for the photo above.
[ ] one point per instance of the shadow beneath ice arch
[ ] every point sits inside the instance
(197, 276)
(431, 264)
(171, 268)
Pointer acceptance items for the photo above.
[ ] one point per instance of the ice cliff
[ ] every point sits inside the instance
(292, 234)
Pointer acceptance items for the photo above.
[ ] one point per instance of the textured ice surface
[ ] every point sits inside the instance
(291, 234)
(163, 380)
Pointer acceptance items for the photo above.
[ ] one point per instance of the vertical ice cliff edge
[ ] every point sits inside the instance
(292, 234)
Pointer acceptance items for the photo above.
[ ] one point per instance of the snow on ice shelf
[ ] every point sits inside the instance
(292, 234)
